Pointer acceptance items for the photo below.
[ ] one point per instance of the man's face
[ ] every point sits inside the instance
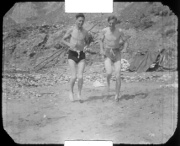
(80, 22)
(112, 23)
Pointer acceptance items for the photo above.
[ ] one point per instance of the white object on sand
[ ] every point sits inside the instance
(175, 85)
(97, 84)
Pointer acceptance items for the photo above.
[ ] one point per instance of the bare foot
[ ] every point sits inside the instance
(78, 96)
(71, 96)
(117, 97)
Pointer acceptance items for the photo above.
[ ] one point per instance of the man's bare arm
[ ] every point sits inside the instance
(101, 40)
(123, 41)
(67, 36)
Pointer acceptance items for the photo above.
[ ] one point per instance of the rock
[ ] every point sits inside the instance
(98, 84)
(37, 77)
(165, 77)
(124, 65)
(151, 134)
(144, 142)
(174, 85)
(54, 38)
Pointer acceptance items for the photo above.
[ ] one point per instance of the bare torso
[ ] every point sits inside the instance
(77, 38)
(112, 39)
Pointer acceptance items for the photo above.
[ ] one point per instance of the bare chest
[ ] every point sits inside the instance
(78, 35)
(112, 36)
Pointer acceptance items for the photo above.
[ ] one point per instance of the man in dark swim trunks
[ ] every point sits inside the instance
(112, 42)
(76, 56)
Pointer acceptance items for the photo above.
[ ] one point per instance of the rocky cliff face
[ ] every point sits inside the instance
(32, 30)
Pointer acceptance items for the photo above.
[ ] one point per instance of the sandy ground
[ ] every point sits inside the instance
(146, 113)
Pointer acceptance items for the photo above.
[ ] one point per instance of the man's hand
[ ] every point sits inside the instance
(86, 49)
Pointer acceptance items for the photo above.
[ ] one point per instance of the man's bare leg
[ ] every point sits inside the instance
(72, 66)
(108, 68)
(117, 66)
(81, 67)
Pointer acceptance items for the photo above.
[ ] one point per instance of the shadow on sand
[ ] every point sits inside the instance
(109, 97)
(125, 96)
(139, 95)
(102, 97)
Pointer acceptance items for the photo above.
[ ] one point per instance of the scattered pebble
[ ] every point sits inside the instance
(151, 134)
(174, 85)
(144, 142)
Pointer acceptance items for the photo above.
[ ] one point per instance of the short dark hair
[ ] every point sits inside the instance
(80, 15)
(112, 17)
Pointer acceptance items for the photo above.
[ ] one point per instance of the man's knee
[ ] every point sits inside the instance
(80, 76)
(74, 77)
(118, 75)
(109, 75)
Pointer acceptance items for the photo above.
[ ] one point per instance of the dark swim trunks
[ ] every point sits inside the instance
(74, 56)
(113, 54)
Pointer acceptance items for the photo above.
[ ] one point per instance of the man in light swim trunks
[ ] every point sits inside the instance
(76, 56)
(112, 42)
